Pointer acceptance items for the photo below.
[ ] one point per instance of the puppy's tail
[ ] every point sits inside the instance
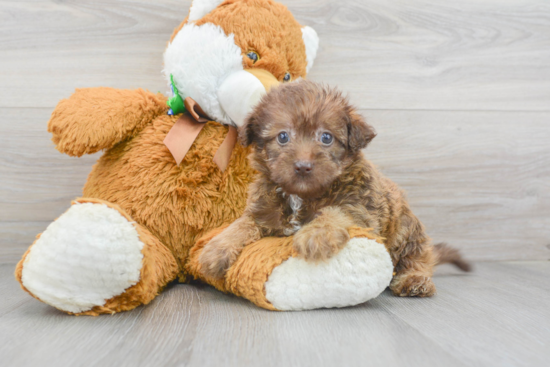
(447, 254)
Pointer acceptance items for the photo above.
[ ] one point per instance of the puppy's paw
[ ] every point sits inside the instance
(217, 256)
(408, 285)
(316, 243)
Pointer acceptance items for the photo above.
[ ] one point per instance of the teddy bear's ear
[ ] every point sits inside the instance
(311, 40)
(199, 8)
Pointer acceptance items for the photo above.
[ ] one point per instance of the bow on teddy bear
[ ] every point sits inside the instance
(145, 216)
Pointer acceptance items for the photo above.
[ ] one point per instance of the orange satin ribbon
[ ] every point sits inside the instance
(181, 136)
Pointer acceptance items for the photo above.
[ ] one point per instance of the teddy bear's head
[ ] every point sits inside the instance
(226, 54)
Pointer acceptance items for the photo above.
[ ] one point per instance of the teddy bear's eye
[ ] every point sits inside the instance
(283, 138)
(253, 55)
(326, 138)
(287, 77)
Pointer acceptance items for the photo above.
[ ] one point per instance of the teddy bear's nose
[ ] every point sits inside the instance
(303, 167)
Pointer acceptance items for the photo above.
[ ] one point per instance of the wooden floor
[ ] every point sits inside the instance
(497, 316)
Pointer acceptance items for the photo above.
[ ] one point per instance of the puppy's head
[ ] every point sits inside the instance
(305, 134)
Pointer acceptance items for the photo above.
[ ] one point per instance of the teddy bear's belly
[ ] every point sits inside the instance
(176, 203)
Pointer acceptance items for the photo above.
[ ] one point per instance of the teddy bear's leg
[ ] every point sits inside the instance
(270, 274)
(94, 259)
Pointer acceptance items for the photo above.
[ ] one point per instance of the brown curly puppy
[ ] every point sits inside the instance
(314, 182)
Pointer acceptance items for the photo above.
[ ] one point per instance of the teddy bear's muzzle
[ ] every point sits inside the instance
(242, 90)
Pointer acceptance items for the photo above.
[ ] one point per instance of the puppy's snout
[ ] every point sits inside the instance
(303, 167)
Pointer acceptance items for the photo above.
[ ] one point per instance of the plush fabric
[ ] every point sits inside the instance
(93, 119)
(359, 272)
(199, 8)
(269, 29)
(311, 41)
(156, 268)
(249, 276)
(199, 59)
(176, 203)
(240, 91)
(104, 261)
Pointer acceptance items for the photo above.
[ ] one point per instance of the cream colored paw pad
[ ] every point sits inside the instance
(87, 256)
(359, 272)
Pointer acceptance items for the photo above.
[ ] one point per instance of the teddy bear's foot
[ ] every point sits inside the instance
(356, 274)
(93, 259)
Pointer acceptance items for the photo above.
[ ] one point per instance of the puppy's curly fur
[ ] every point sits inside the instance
(314, 183)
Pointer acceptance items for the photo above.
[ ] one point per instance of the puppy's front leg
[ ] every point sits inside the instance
(222, 251)
(324, 236)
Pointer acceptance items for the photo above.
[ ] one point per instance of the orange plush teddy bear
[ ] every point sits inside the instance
(172, 171)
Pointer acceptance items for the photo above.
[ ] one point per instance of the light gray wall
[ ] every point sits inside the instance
(459, 92)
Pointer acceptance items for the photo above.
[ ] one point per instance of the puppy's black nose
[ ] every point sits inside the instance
(302, 167)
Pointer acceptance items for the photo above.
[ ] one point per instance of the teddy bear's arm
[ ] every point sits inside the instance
(93, 119)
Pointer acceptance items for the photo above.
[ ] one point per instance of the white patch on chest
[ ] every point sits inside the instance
(295, 205)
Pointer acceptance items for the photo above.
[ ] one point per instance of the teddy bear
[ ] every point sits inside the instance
(172, 175)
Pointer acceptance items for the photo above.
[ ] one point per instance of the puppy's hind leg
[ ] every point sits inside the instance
(415, 263)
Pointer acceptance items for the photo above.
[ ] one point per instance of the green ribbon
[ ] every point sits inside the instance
(176, 102)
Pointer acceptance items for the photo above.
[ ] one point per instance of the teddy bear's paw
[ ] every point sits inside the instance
(90, 254)
(359, 272)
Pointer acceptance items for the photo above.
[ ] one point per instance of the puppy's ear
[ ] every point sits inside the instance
(249, 132)
(359, 132)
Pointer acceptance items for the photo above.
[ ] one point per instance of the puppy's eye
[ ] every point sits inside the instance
(253, 55)
(287, 77)
(326, 138)
(283, 138)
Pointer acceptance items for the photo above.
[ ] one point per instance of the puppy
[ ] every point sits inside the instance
(314, 183)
